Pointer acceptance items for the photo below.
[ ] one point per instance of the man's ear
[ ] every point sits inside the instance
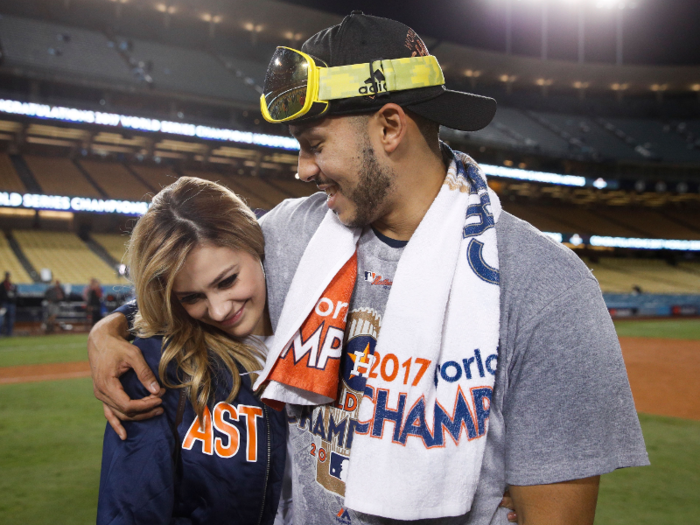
(391, 120)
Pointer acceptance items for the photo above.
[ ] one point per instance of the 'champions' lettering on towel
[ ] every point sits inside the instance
(311, 359)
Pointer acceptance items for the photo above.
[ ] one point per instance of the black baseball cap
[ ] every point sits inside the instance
(361, 38)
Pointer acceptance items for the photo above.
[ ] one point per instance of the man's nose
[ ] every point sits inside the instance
(307, 168)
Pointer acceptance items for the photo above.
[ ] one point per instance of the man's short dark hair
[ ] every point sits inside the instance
(429, 129)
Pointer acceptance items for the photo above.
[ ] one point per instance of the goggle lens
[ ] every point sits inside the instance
(286, 84)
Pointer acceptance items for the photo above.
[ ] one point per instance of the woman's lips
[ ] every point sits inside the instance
(235, 317)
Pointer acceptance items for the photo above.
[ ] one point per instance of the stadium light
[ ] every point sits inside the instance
(610, 5)
(627, 242)
(44, 111)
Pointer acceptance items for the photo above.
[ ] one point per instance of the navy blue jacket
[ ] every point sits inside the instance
(229, 471)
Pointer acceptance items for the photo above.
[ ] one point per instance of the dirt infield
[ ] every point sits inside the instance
(663, 374)
(31, 373)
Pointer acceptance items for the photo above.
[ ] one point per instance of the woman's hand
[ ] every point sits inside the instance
(110, 356)
(507, 502)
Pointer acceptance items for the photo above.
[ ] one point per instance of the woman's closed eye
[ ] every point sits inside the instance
(191, 298)
(228, 282)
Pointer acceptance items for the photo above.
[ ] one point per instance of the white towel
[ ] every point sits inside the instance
(418, 450)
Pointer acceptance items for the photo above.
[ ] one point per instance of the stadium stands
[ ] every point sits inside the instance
(115, 244)
(669, 146)
(583, 221)
(649, 223)
(649, 275)
(690, 219)
(116, 180)
(59, 176)
(253, 200)
(591, 135)
(534, 136)
(46, 47)
(250, 73)
(611, 221)
(10, 263)
(66, 256)
(538, 220)
(294, 188)
(157, 177)
(184, 70)
(9, 180)
(257, 187)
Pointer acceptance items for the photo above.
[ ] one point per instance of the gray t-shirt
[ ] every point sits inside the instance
(561, 388)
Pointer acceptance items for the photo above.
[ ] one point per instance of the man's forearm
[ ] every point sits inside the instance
(567, 503)
(114, 325)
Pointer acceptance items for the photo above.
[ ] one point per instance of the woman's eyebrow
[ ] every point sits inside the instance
(221, 276)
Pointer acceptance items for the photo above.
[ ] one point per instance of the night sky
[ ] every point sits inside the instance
(655, 32)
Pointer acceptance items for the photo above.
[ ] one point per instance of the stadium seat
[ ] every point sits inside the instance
(114, 243)
(59, 176)
(10, 263)
(9, 180)
(251, 199)
(183, 70)
(48, 47)
(116, 180)
(651, 276)
(256, 186)
(157, 177)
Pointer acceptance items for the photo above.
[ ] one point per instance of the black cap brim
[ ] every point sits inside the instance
(457, 110)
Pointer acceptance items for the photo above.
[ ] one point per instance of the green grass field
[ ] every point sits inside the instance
(663, 328)
(51, 440)
(15, 351)
(50, 447)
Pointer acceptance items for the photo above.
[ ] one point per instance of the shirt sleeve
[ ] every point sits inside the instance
(137, 482)
(568, 408)
(128, 310)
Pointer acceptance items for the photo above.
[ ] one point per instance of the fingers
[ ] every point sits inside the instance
(507, 502)
(119, 401)
(144, 373)
(137, 416)
(115, 418)
(147, 415)
(114, 422)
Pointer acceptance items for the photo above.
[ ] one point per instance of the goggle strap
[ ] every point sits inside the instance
(399, 74)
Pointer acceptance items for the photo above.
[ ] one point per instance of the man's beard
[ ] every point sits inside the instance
(374, 185)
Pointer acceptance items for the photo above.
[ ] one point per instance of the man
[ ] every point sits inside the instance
(93, 301)
(559, 408)
(54, 295)
(8, 303)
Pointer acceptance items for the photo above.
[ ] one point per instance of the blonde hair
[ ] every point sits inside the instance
(183, 215)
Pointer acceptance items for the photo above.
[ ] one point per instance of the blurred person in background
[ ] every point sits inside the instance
(8, 302)
(53, 297)
(92, 294)
(217, 453)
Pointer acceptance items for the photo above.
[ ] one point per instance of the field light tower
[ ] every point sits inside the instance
(618, 6)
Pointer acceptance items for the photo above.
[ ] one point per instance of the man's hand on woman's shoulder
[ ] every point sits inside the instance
(111, 355)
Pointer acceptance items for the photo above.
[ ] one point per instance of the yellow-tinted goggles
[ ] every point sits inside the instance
(296, 86)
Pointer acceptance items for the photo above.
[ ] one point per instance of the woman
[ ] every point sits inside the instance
(217, 453)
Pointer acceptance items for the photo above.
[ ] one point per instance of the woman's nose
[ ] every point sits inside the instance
(219, 308)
